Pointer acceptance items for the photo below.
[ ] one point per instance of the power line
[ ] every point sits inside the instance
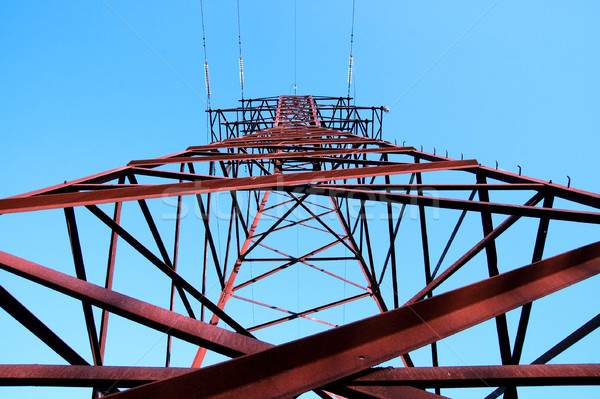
(240, 45)
(206, 74)
(351, 61)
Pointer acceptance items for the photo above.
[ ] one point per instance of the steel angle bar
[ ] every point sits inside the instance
(393, 239)
(146, 171)
(80, 272)
(322, 359)
(451, 239)
(389, 392)
(97, 178)
(442, 187)
(161, 246)
(226, 144)
(185, 328)
(291, 262)
(110, 269)
(446, 203)
(483, 376)
(83, 376)
(301, 222)
(492, 263)
(305, 262)
(472, 252)
(227, 289)
(20, 313)
(354, 248)
(208, 236)
(180, 282)
(243, 157)
(303, 313)
(557, 349)
(50, 201)
(538, 250)
(426, 262)
(568, 193)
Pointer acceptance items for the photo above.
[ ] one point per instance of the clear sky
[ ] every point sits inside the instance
(496, 80)
(86, 86)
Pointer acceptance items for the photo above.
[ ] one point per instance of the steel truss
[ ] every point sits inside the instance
(319, 258)
(331, 112)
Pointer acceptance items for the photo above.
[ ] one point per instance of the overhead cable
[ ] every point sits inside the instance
(351, 61)
(240, 45)
(206, 73)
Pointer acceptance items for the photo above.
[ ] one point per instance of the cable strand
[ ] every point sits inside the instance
(351, 61)
(206, 73)
(240, 46)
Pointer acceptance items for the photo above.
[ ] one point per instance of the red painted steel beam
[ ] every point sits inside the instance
(295, 315)
(269, 135)
(83, 376)
(181, 283)
(146, 171)
(279, 155)
(446, 203)
(52, 201)
(283, 142)
(24, 316)
(97, 178)
(185, 328)
(471, 253)
(80, 272)
(316, 361)
(441, 187)
(484, 376)
(390, 392)
(568, 193)
(420, 377)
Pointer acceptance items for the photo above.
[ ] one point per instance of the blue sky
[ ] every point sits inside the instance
(494, 80)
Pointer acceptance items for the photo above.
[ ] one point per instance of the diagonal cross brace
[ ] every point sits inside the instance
(316, 361)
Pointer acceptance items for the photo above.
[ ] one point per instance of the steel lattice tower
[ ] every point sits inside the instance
(311, 252)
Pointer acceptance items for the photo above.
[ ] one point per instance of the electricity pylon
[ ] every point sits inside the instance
(298, 252)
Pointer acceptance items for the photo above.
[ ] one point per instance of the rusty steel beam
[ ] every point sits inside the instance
(295, 315)
(389, 392)
(84, 376)
(284, 142)
(20, 313)
(442, 187)
(281, 155)
(97, 178)
(560, 347)
(145, 170)
(296, 367)
(568, 193)
(181, 283)
(185, 328)
(337, 363)
(419, 377)
(227, 289)
(80, 272)
(470, 254)
(51, 201)
(446, 203)
(483, 376)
